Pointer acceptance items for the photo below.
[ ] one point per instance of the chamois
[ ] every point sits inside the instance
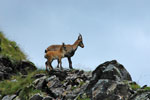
(70, 49)
(52, 55)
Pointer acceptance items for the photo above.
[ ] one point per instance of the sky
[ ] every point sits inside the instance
(111, 29)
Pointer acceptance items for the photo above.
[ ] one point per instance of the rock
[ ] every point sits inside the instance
(14, 80)
(58, 91)
(9, 97)
(145, 95)
(40, 83)
(36, 97)
(48, 98)
(1, 75)
(17, 98)
(8, 69)
(25, 66)
(59, 73)
(5, 61)
(38, 75)
(55, 83)
(51, 78)
(110, 90)
(111, 70)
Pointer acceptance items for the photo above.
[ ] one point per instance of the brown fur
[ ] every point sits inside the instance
(70, 49)
(52, 55)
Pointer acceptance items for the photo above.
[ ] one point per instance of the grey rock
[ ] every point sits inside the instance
(9, 97)
(106, 89)
(111, 70)
(141, 95)
(36, 97)
(40, 84)
(1, 75)
(58, 91)
(55, 83)
(51, 78)
(38, 75)
(47, 98)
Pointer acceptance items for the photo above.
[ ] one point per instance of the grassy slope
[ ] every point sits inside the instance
(10, 49)
(17, 82)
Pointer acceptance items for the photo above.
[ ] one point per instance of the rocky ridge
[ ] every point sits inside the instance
(109, 81)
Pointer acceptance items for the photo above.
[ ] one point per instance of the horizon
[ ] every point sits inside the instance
(110, 30)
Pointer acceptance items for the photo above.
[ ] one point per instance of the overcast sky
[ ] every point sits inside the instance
(111, 29)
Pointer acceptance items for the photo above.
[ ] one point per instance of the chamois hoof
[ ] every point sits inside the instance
(61, 68)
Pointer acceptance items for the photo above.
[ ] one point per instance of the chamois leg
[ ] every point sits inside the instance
(70, 62)
(50, 65)
(46, 63)
(60, 64)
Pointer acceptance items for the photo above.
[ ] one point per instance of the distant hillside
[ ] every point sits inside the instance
(10, 49)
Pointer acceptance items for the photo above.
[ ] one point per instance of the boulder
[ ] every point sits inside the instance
(111, 70)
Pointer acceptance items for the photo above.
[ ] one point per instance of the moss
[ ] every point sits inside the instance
(10, 49)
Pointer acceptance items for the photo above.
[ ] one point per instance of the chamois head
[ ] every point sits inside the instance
(63, 47)
(80, 41)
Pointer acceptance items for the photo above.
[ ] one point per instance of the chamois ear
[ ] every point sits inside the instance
(80, 36)
(63, 44)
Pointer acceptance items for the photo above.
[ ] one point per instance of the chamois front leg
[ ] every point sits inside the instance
(60, 64)
(70, 62)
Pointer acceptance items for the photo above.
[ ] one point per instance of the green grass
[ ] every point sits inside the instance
(135, 86)
(147, 88)
(10, 87)
(10, 49)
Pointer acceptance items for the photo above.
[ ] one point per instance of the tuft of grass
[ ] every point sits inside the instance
(10, 87)
(10, 49)
(135, 86)
(147, 88)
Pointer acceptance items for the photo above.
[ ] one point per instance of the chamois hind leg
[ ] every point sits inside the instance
(46, 64)
(50, 65)
(70, 62)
